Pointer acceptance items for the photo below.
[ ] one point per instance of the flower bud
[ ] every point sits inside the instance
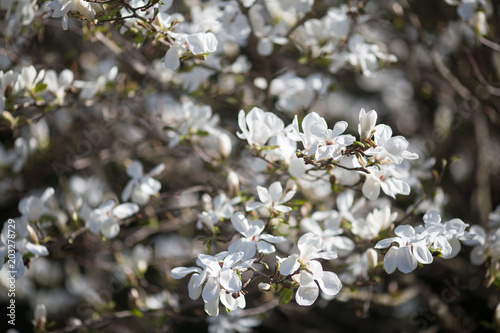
(233, 183)
(372, 256)
(32, 236)
(40, 316)
(480, 23)
(367, 123)
(224, 144)
(264, 287)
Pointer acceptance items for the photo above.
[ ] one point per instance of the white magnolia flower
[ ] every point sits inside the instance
(198, 43)
(329, 143)
(141, 186)
(252, 239)
(311, 272)
(258, 126)
(218, 280)
(390, 148)
(29, 78)
(307, 137)
(412, 250)
(58, 85)
(217, 209)
(32, 207)
(375, 222)
(63, 7)
(272, 198)
(105, 217)
(445, 236)
(386, 177)
(330, 233)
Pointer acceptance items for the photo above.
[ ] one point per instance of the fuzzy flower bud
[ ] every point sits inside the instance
(233, 183)
(264, 287)
(224, 144)
(372, 256)
(367, 121)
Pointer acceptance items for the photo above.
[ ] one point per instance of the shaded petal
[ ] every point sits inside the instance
(390, 260)
(289, 265)
(330, 283)
(264, 247)
(230, 281)
(212, 307)
(406, 260)
(180, 272)
(211, 290)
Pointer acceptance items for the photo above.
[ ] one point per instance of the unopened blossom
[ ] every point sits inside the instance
(367, 121)
(141, 186)
(272, 198)
(105, 218)
(411, 250)
(253, 238)
(311, 272)
(257, 126)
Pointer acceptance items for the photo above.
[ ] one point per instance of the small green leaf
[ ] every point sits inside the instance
(285, 296)
(40, 87)
(137, 313)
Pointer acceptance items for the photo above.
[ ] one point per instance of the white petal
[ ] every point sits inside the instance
(194, 287)
(390, 260)
(230, 281)
(180, 272)
(38, 250)
(406, 261)
(240, 222)
(422, 253)
(264, 247)
(125, 210)
(211, 290)
(371, 187)
(330, 283)
(275, 191)
(212, 307)
(289, 265)
(135, 170)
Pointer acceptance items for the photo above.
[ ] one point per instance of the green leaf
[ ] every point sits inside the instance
(137, 313)
(285, 296)
(40, 87)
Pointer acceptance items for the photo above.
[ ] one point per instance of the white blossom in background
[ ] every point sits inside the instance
(253, 238)
(257, 126)
(142, 186)
(295, 93)
(63, 7)
(311, 272)
(220, 208)
(91, 88)
(411, 250)
(199, 43)
(236, 321)
(268, 35)
(29, 78)
(58, 85)
(330, 232)
(105, 218)
(361, 55)
(272, 198)
(376, 221)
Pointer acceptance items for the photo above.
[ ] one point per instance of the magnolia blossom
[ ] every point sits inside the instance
(218, 208)
(105, 217)
(311, 272)
(63, 7)
(258, 126)
(29, 78)
(141, 186)
(272, 198)
(390, 148)
(58, 85)
(329, 143)
(412, 250)
(375, 222)
(198, 43)
(252, 237)
(330, 233)
(445, 236)
(33, 207)
(386, 177)
(216, 281)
